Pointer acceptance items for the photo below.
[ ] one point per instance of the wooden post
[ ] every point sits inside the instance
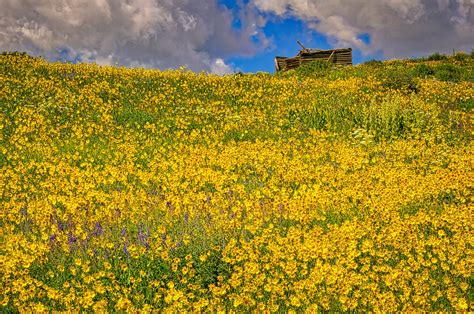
(329, 59)
(299, 43)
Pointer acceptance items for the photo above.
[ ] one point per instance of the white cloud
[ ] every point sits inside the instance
(152, 33)
(199, 34)
(220, 67)
(398, 28)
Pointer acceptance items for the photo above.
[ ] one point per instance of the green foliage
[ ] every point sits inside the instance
(374, 63)
(461, 56)
(398, 79)
(423, 70)
(133, 116)
(14, 54)
(448, 72)
(317, 68)
(436, 57)
(386, 117)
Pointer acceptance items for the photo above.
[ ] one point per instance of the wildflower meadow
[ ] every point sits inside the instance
(313, 190)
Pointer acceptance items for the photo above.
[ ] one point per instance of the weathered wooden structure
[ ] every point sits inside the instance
(337, 56)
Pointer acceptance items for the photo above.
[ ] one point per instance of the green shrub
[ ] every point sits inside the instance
(448, 72)
(14, 53)
(437, 57)
(398, 80)
(461, 56)
(422, 70)
(374, 63)
(315, 69)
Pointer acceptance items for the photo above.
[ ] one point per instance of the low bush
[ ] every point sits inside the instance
(374, 63)
(398, 80)
(422, 70)
(448, 72)
(461, 56)
(436, 57)
(314, 69)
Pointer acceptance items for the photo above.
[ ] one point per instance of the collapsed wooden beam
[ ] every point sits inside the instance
(340, 56)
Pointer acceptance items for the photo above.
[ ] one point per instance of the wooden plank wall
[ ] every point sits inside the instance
(336, 56)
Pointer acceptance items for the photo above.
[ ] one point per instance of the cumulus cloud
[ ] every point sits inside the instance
(150, 33)
(220, 67)
(398, 28)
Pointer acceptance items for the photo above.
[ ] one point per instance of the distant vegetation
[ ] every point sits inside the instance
(318, 189)
(459, 67)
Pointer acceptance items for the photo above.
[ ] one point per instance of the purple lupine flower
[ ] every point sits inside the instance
(52, 240)
(125, 249)
(98, 227)
(60, 225)
(142, 237)
(71, 239)
(147, 245)
(122, 232)
(186, 217)
(168, 204)
(58, 221)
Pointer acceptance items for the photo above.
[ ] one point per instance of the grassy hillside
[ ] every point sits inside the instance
(315, 189)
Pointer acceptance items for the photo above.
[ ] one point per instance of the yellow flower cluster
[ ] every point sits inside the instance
(131, 189)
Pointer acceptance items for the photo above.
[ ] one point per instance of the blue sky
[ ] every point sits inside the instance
(224, 36)
(284, 32)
